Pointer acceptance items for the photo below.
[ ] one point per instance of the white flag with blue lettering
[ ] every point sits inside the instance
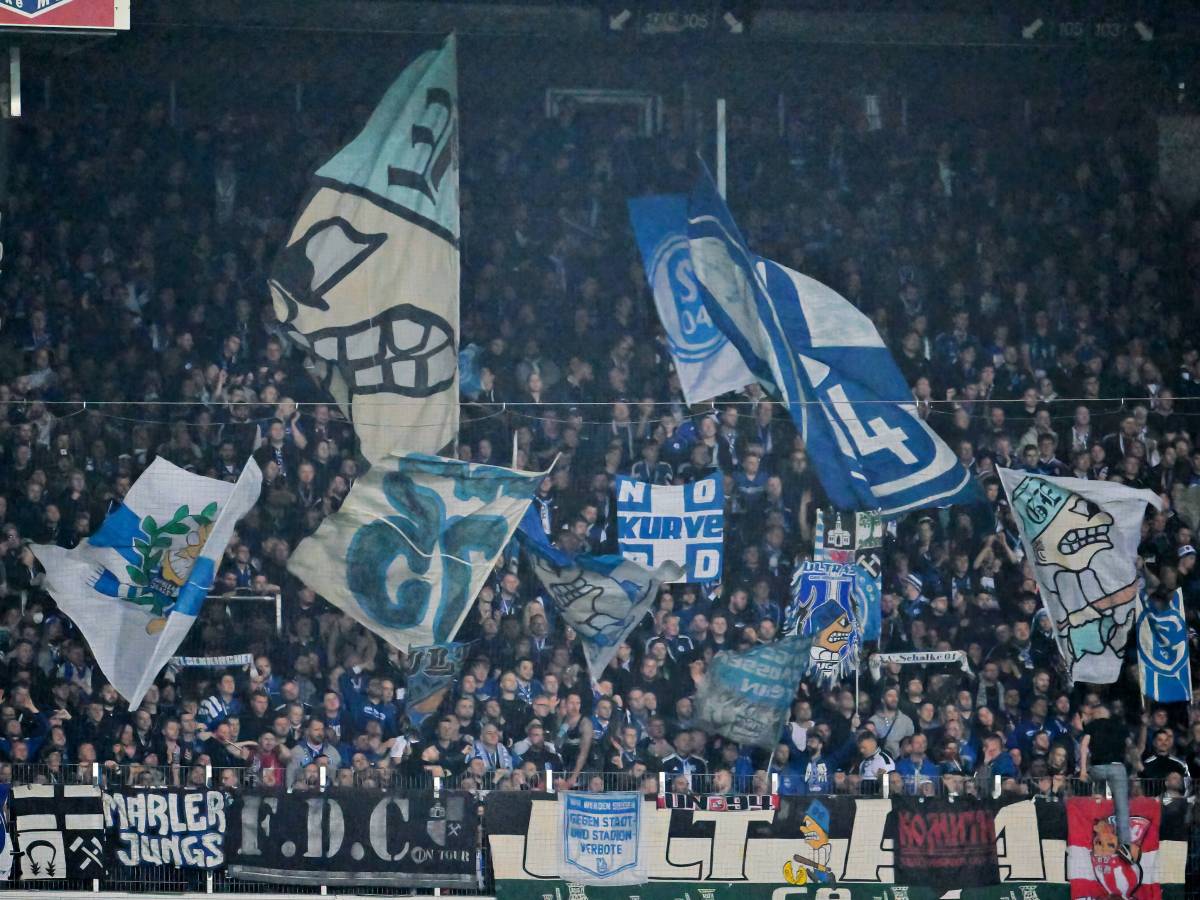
(683, 524)
(827, 361)
(135, 587)
(708, 365)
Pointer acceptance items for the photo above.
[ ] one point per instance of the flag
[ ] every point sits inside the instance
(860, 542)
(1081, 538)
(822, 608)
(826, 360)
(413, 543)
(59, 831)
(369, 280)
(707, 364)
(1164, 663)
(746, 696)
(135, 587)
(602, 597)
(431, 673)
(683, 524)
(1095, 869)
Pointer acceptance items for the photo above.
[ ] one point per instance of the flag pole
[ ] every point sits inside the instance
(721, 147)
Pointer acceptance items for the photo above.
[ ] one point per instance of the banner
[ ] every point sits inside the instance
(718, 802)
(822, 608)
(59, 831)
(859, 542)
(602, 597)
(6, 850)
(1095, 869)
(1164, 661)
(351, 837)
(707, 364)
(414, 541)
(431, 673)
(135, 587)
(683, 524)
(1081, 538)
(945, 842)
(877, 661)
(602, 837)
(825, 358)
(184, 828)
(746, 696)
(820, 848)
(69, 15)
(369, 280)
(234, 660)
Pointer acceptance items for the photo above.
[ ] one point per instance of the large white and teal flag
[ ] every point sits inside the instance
(826, 360)
(413, 543)
(708, 365)
(135, 587)
(1081, 539)
(368, 282)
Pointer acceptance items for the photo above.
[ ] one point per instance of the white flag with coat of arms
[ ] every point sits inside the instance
(135, 587)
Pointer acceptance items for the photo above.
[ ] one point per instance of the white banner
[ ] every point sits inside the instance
(918, 658)
(683, 524)
(602, 836)
(1081, 538)
(135, 587)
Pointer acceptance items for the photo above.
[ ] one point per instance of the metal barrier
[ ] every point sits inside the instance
(170, 880)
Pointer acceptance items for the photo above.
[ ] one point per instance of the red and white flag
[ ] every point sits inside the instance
(1094, 868)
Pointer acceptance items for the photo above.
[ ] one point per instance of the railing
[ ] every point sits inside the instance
(1053, 787)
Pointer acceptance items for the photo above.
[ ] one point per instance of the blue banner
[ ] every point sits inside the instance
(1164, 662)
(431, 671)
(707, 364)
(683, 524)
(602, 836)
(823, 608)
(827, 361)
(746, 696)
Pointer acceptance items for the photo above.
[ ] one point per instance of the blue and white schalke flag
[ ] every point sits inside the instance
(826, 360)
(1164, 663)
(602, 835)
(708, 365)
(683, 524)
(135, 587)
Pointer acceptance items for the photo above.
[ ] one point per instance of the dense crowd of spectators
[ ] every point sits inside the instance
(1027, 283)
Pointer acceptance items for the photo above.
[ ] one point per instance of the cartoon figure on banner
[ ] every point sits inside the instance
(159, 557)
(813, 867)
(1068, 532)
(823, 605)
(1119, 876)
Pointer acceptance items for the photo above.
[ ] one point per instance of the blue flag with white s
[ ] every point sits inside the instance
(707, 364)
(1164, 663)
(683, 524)
(828, 363)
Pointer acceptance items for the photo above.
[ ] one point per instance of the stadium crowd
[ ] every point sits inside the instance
(1025, 283)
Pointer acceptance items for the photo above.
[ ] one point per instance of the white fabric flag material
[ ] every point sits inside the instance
(135, 587)
(412, 544)
(1081, 539)
(369, 280)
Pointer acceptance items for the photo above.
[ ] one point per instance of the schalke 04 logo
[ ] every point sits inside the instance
(690, 331)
